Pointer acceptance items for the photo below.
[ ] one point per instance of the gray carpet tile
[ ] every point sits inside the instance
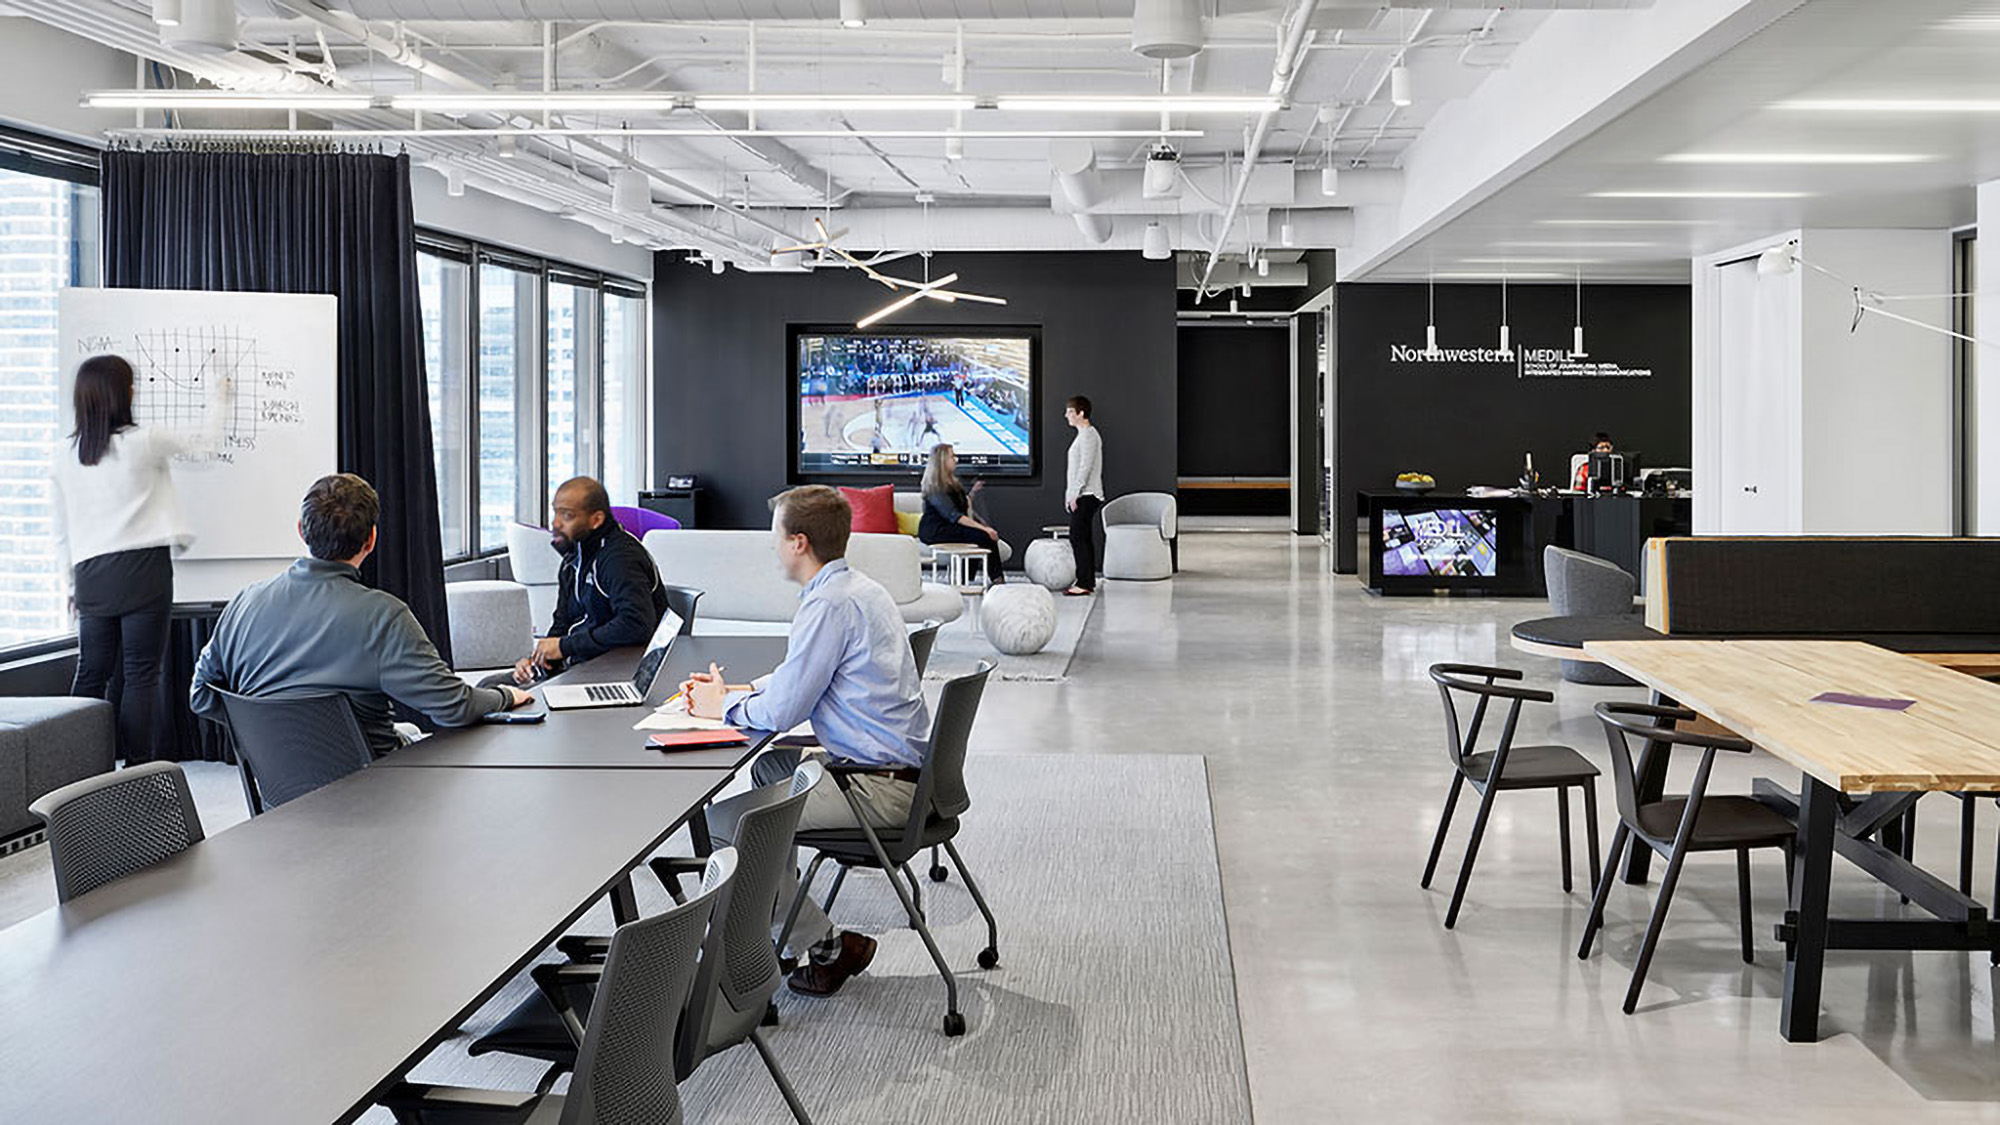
(1113, 1001)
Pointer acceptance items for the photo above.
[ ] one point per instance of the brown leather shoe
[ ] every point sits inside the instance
(816, 979)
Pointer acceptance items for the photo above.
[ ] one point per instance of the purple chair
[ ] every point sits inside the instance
(639, 521)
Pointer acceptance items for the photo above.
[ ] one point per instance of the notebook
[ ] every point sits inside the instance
(691, 739)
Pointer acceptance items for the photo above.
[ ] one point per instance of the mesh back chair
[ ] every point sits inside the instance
(682, 600)
(739, 971)
(288, 747)
(106, 827)
(940, 800)
(1675, 826)
(922, 640)
(1505, 767)
(624, 1053)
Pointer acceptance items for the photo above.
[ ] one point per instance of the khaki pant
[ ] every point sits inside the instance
(826, 807)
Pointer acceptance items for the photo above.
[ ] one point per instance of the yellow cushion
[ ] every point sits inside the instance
(906, 522)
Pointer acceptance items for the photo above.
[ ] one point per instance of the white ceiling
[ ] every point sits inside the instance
(1554, 221)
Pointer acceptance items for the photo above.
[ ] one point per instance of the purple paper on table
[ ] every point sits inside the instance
(1864, 701)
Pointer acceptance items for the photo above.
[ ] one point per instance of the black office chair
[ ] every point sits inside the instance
(286, 747)
(739, 971)
(625, 1050)
(1505, 767)
(106, 827)
(940, 800)
(682, 600)
(922, 640)
(1676, 826)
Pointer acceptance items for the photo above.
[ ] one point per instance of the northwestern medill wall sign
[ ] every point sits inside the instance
(1528, 363)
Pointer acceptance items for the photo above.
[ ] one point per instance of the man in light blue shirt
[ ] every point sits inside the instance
(848, 669)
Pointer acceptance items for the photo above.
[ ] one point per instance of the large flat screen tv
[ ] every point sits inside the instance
(1440, 542)
(874, 404)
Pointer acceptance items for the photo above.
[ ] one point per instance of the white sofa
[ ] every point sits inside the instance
(745, 594)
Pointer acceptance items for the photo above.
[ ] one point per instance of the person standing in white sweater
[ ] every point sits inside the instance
(1083, 494)
(117, 520)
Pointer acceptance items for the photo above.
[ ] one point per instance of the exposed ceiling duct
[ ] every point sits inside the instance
(1119, 192)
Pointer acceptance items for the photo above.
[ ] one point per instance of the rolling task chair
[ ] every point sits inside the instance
(739, 966)
(1676, 826)
(106, 827)
(940, 800)
(286, 747)
(1505, 767)
(625, 1050)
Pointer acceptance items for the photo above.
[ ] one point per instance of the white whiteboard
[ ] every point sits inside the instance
(257, 447)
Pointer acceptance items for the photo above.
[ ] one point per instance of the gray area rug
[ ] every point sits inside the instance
(1114, 999)
(960, 648)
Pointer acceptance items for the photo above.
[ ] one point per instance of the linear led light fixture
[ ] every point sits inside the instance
(1625, 222)
(616, 131)
(1552, 244)
(1892, 105)
(1496, 275)
(222, 99)
(1796, 158)
(1164, 103)
(527, 101)
(1675, 194)
(835, 102)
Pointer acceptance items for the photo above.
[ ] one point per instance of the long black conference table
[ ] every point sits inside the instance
(293, 967)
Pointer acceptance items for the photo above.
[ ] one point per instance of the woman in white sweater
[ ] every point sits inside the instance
(1083, 493)
(117, 520)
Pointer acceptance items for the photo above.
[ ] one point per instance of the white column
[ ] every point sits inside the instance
(1983, 435)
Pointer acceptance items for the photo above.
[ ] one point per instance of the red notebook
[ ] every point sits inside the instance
(693, 739)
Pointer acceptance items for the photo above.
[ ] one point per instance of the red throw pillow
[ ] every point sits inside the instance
(874, 508)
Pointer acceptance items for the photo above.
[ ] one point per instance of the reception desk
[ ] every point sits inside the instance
(1428, 543)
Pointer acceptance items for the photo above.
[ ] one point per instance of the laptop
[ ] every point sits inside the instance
(569, 697)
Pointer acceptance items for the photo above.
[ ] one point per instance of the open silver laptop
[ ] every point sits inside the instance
(568, 697)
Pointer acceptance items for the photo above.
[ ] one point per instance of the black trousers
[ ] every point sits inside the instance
(123, 604)
(1083, 540)
(959, 533)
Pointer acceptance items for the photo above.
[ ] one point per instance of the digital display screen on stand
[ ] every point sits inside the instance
(1440, 542)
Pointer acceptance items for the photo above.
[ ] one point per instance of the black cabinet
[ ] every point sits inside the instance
(681, 503)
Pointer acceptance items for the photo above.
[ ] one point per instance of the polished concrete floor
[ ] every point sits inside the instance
(1324, 740)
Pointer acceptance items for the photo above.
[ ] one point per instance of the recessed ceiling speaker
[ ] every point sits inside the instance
(1163, 173)
(206, 27)
(1155, 245)
(1167, 29)
(631, 191)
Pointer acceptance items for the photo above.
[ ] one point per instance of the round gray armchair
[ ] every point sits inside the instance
(1139, 530)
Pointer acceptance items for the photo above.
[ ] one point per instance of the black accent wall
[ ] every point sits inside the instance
(722, 377)
(1235, 414)
(1469, 423)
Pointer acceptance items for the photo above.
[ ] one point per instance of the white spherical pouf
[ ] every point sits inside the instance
(1019, 619)
(1051, 563)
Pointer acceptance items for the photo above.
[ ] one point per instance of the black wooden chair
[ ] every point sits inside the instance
(1505, 767)
(1676, 826)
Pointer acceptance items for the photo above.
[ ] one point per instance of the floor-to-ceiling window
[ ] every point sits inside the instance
(536, 374)
(48, 240)
(622, 406)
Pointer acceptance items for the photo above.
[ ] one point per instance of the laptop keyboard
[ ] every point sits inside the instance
(607, 693)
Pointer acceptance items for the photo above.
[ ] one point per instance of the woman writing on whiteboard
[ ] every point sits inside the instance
(116, 521)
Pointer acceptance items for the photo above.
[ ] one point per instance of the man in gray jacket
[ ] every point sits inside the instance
(316, 628)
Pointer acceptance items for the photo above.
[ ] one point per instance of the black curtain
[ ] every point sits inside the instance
(338, 223)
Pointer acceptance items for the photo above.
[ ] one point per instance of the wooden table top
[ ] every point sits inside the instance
(287, 968)
(1949, 740)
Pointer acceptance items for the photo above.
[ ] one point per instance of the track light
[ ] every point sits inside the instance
(1286, 234)
(166, 13)
(631, 191)
(1776, 261)
(1329, 180)
(1399, 84)
(853, 13)
(1263, 267)
(454, 182)
(506, 149)
(1246, 289)
(1154, 245)
(717, 265)
(954, 148)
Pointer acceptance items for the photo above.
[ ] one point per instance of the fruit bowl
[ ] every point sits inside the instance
(1415, 482)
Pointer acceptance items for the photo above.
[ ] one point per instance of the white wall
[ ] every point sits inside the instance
(1984, 438)
(1864, 412)
(518, 226)
(44, 72)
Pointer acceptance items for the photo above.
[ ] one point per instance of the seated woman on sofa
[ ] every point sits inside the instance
(948, 515)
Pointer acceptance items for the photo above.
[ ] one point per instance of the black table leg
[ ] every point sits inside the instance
(698, 837)
(1652, 782)
(1805, 954)
(624, 901)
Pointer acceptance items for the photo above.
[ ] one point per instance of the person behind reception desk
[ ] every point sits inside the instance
(1580, 464)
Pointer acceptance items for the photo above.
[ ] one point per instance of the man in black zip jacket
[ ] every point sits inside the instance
(609, 591)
